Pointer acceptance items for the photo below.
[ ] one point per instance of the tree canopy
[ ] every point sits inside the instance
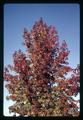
(39, 85)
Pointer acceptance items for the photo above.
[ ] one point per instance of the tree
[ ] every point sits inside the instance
(39, 85)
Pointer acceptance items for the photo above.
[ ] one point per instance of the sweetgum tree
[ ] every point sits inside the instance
(39, 85)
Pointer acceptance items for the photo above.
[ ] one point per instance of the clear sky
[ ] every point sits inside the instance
(65, 17)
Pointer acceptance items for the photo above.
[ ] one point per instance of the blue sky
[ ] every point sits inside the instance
(65, 17)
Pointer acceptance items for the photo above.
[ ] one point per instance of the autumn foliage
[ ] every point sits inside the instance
(39, 84)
